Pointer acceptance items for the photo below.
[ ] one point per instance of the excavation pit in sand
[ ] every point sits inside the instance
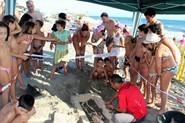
(91, 108)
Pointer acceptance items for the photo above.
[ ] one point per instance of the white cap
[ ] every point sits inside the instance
(151, 38)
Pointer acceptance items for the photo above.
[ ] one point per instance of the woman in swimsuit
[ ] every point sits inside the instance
(80, 39)
(14, 47)
(166, 65)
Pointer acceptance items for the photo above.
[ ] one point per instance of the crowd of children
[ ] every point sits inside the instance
(148, 57)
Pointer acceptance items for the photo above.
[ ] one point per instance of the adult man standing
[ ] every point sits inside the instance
(110, 27)
(36, 15)
(131, 104)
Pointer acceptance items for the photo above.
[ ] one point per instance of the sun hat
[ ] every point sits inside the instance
(151, 38)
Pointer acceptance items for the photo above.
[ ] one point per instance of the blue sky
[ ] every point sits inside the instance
(56, 6)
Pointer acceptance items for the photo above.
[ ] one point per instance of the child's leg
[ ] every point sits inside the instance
(34, 64)
(53, 71)
(13, 92)
(15, 73)
(148, 90)
(26, 66)
(40, 64)
(153, 89)
(5, 96)
(65, 68)
(82, 53)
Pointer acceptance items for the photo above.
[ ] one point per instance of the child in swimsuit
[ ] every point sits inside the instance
(61, 49)
(25, 40)
(18, 112)
(108, 67)
(98, 41)
(117, 49)
(37, 47)
(14, 48)
(137, 53)
(5, 62)
(129, 47)
(152, 77)
(166, 66)
(98, 71)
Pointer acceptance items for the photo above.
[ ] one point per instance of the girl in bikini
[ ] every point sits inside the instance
(166, 65)
(98, 40)
(14, 48)
(25, 39)
(5, 63)
(80, 39)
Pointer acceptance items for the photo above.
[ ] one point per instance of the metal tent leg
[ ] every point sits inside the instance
(136, 21)
(10, 7)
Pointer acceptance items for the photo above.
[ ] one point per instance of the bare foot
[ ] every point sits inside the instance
(158, 104)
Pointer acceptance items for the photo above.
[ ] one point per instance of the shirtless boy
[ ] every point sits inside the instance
(37, 47)
(98, 71)
(108, 67)
(110, 27)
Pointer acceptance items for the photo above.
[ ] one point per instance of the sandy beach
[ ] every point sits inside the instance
(55, 106)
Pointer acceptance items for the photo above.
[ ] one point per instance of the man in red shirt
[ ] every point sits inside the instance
(131, 104)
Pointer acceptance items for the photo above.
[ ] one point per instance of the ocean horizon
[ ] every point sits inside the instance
(170, 25)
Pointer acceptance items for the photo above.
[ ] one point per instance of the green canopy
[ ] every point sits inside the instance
(161, 6)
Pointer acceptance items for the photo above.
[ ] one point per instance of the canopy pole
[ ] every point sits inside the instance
(10, 7)
(136, 21)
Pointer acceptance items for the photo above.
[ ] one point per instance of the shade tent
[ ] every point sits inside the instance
(10, 7)
(136, 6)
(140, 6)
(161, 6)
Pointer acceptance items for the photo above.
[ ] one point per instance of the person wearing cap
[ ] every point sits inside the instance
(117, 47)
(131, 103)
(166, 66)
(97, 40)
(36, 15)
(110, 27)
(150, 16)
